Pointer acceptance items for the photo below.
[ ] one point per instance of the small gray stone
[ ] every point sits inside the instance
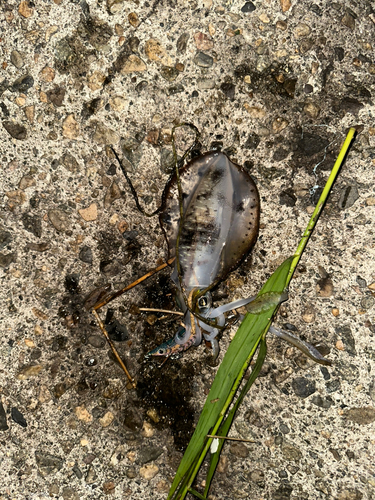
(18, 417)
(252, 142)
(206, 83)
(248, 7)
(7, 259)
(16, 130)
(283, 492)
(59, 219)
(16, 59)
(47, 463)
(317, 400)
(345, 333)
(33, 224)
(367, 302)
(85, 255)
(203, 60)
(148, 454)
(22, 84)
(69, 162)
(303, 387)
(290, 451)
(361, 416)
(349, 195)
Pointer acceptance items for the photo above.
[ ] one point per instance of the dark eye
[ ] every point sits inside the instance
(161, 351)
(202, 302)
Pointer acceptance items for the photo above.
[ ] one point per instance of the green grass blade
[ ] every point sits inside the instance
(228, 377)
(224, 428)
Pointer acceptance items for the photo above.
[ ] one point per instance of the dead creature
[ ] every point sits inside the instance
(210, 217)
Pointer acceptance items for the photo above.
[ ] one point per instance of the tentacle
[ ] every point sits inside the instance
(305, 347)
(214, 313)
(215, 348)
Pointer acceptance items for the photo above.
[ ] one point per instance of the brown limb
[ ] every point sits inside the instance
(132, 285)
(105, 333)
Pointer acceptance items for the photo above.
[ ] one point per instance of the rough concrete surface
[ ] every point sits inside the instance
(275, 84)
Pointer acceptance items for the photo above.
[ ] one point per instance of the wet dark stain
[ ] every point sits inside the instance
(168, 391)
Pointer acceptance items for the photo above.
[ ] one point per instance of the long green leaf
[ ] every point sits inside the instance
(228, 377)
(225, 426)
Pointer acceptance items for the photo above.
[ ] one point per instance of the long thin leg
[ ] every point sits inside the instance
(132, 285)
(114, 296)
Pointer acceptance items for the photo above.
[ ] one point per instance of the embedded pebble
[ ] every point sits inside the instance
(133, 19)
(7, 259)
(248, 7)
(156, 52)
(18, 417)
(182, 43)
(118, 103)
(22, 84)
(254, 111)
(302, 29)
(5, 239)
(25, 8)
(107, 419)
(312, 109)
(85, 255)
(56, 95)
(90, 213)
(349, 195)
(361, 416)
(29, 371)
(149, 471)
(109, 487)
(17, 59)
(346, 335)
(285, 5)
(239, 449)
(134, 64)
(97, 341)
(16, 130)
(169, 74)
(70, 128)
(203, 60)
(290, 451)
(367, 302)
(303, 387)
(148, 454)
(33, 224)
(203, 41)
(59, 219)
(83, 414)
(47, 463)
(113, 193)
(3, 418)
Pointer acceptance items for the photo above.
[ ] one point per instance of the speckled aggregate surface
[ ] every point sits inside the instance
(275, 84)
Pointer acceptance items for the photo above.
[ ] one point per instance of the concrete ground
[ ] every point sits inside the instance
(276, 85)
